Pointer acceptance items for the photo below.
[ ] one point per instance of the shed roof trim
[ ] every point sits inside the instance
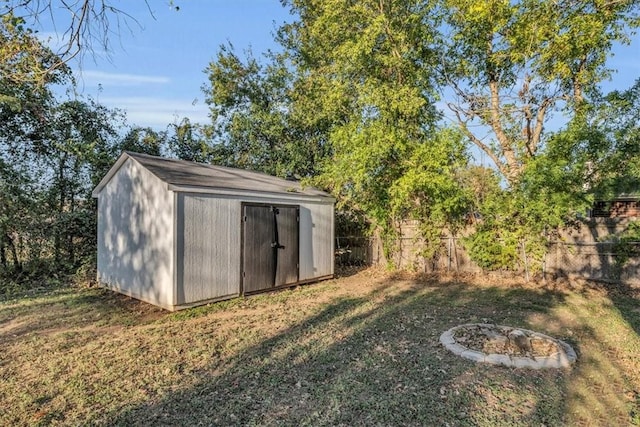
(182, 174)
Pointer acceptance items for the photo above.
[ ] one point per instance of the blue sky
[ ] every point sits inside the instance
(154, 70)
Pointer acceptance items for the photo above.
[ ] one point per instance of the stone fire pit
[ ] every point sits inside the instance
(505, 345)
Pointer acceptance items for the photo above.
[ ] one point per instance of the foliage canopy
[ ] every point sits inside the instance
(360, 82)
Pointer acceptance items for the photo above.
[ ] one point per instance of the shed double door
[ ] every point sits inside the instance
(270, 247)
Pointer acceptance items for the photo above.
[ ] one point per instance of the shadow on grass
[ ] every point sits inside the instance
(375, 360)
(627, 300)
(610, 271)
(369, 356)
(69, 308)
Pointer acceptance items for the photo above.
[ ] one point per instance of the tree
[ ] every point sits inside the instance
(596, 156)
(614, 124)
(53, 153)
(190, 141)
(364, 78)
(244, 111)
(48, 168)
(511, 64)
(143, 140)
(506, 68)
(25, 68)
(79, 150)
(255, 124)
(365, 75)
(16, 210)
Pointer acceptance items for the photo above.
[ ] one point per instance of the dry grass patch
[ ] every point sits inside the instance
(359, 350)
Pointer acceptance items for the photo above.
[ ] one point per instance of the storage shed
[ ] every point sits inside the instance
(179, 234)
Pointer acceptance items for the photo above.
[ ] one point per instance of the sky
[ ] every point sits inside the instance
(154, 70)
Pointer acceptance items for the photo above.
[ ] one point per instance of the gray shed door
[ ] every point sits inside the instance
(270, 247)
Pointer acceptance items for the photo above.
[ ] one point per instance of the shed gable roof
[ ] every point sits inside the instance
(182, 175)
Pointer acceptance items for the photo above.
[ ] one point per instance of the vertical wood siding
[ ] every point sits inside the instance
(208, 247)
(259, 264)
(209, 244)
(270, 247)
(135, 235)
(316, 240)
(287, 268)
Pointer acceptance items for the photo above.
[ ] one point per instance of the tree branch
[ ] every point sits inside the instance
(534, 142)
(476, 141)
(89, 23)
(512, 168)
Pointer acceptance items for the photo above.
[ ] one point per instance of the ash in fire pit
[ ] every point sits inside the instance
(504, 345)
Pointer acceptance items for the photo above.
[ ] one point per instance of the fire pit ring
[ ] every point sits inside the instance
(508, 346)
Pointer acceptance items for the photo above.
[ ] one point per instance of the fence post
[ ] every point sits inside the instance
(544, 264)
(526, 266)
(455, 253)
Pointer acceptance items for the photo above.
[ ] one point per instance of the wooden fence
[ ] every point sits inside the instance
(582, 251)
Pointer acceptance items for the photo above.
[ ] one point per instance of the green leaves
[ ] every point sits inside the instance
(350, 104)
(47, 218)
(255, 124)
(626, 244)
(364, 68)
(512, 64)
(25, 63)
(351, 100)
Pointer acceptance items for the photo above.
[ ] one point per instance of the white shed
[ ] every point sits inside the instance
(179, 234)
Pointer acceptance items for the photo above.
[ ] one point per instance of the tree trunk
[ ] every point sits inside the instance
(61, 202)
(3, 253)
(17, 265)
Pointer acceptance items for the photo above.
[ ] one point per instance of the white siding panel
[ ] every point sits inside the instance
(135, 235)
(208, 247)
(316, 240)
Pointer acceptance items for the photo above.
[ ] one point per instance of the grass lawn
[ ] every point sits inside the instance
(358, 350)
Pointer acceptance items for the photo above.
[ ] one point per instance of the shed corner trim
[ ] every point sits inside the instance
(114, 169)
